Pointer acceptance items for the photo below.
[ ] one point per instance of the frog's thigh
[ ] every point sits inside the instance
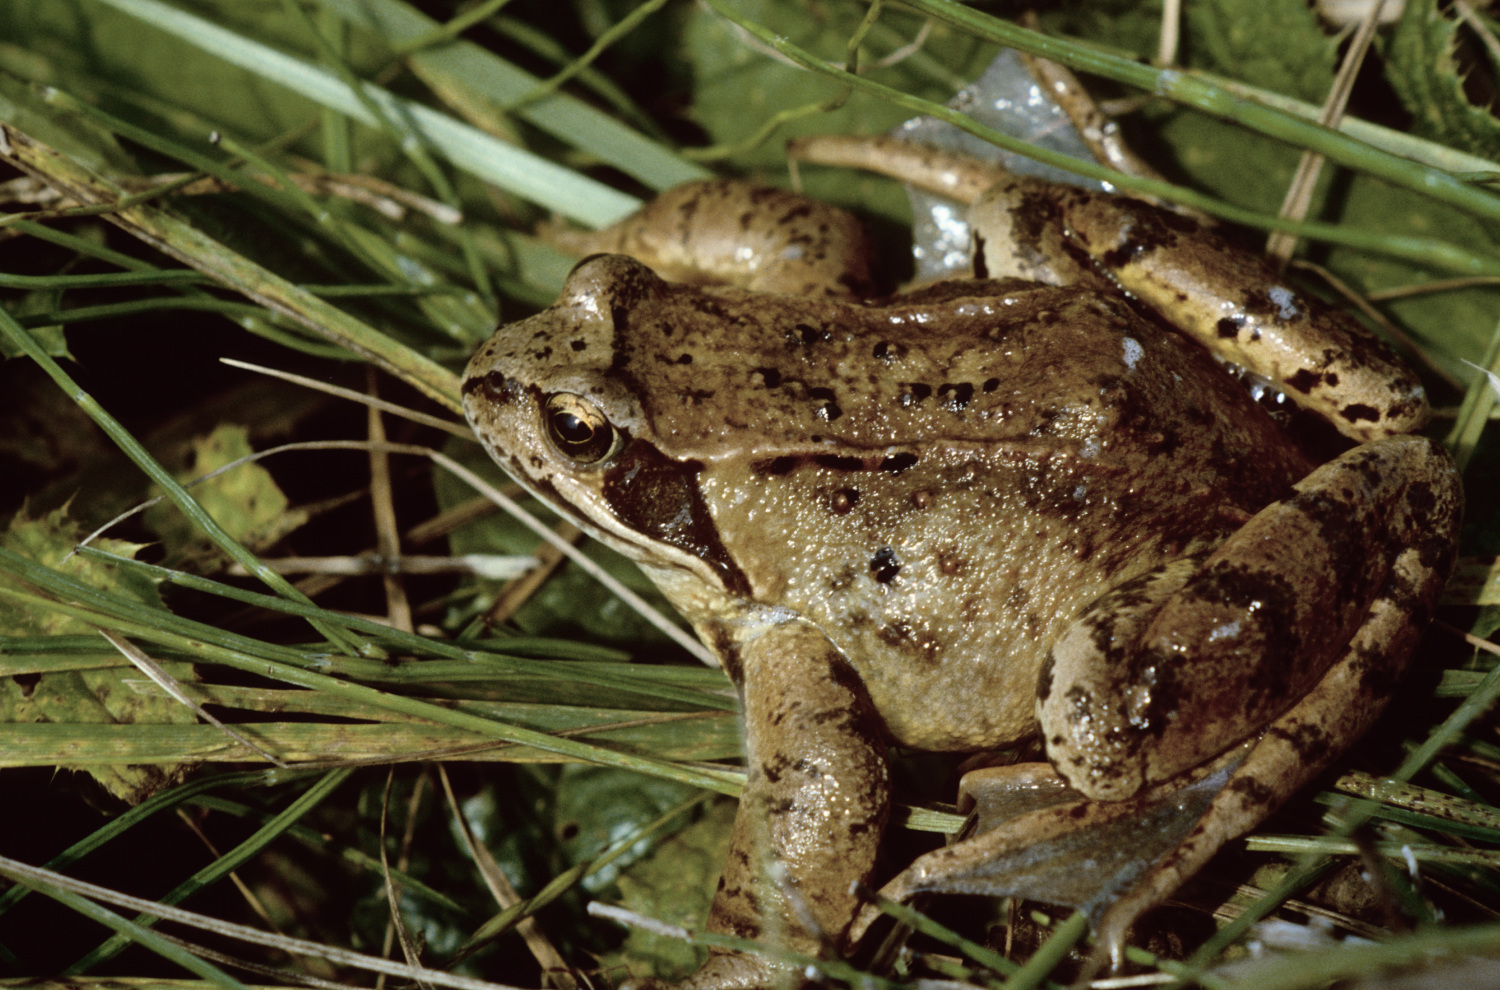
(1241, 309)
(814, 806)
(738, 233)
(1156, 679)
(1017, 235)
(1296, 746)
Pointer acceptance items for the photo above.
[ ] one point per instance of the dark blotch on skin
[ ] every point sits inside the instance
(1033, 215)
(577, 345)
(808, 334)
(1378, 678)
(861, 716)
(1267, 603)
(1044, 679)
(1259, 302)
(1229, 327)
(787, 463)
(1121, 255)
(843, 500)
(776, 466)
(954, 396)
(1355, 412)
(834, 462)
(1305, 380)
(497, 388)
(659, 497)
(981, 270)
(728, 653)
(829, 410)
(1154, 672)
(1150, 230)
(1255, 793)
(887, 351)
(1310, 741)
(770, 376)
(913, 392)
(884, 566)
(897, 463)
(910, 640)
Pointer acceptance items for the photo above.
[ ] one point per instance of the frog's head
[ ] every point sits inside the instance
(557, 401)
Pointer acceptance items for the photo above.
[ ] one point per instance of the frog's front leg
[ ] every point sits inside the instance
(814, 806)
(1187, 704)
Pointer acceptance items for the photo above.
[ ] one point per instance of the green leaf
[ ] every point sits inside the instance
(25, 108)
(1451, 325)
(1277, 44)
(482, 86)
(676, 884)
(50, 540)
(597, 807)
(105, 696)
(244, 500)
(1421, 68)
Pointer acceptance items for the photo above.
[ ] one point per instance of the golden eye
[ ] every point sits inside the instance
(578, 428)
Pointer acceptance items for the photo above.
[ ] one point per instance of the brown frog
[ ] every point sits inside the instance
(1030, 503)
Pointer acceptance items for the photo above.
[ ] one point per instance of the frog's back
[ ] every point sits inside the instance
(941, 489)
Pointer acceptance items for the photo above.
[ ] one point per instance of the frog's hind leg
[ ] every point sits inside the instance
(1186, 705)
(1364, 542)
(1294, 748)
(732, 232)
(1330, 587)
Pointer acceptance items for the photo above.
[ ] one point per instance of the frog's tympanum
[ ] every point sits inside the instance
(1027, 503)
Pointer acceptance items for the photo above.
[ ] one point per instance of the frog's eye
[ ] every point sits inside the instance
(579, 429)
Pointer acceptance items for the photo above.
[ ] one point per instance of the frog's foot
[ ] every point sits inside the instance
(1035, 837)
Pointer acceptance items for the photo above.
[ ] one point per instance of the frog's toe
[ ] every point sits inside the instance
(1038, 839)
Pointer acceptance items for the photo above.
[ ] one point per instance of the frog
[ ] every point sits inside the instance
(1030, 501)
